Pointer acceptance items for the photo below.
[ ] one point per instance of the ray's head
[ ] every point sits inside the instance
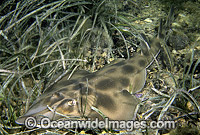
(54, 105)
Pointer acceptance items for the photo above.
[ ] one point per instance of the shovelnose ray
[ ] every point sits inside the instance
(109, 91)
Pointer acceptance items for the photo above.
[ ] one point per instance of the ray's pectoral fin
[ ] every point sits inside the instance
(138, 81)
(112, 105)
(128, 102)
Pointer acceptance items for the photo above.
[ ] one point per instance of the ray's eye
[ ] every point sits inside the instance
(67, 106)
(71, 102)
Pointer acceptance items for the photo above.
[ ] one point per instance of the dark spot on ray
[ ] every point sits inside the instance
(127, 69)
(119, 63)
(142, 63)
(106, 102)
(78, 86)
(124, 81)
(57, 96)
(105, 84)
(86, 91)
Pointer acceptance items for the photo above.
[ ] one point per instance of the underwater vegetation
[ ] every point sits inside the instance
(42, 41)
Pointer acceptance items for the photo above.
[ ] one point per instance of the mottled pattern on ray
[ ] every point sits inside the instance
(107, 90)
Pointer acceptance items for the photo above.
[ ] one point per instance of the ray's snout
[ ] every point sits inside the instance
(43, 108)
